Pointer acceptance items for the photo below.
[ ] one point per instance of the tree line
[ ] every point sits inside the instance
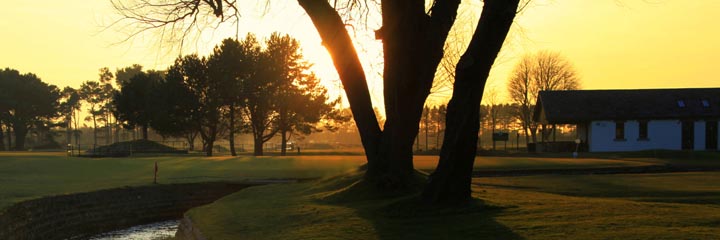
(172, 110)
(241, 87)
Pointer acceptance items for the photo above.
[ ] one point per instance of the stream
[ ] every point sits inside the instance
(152, 231)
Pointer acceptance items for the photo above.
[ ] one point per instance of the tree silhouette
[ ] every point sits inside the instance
(300, 102)
(534, 73)
(68, 107)
(25, 102)
(135, 100)
(124, 74)
(305, 103)
(260, 91)
(176, 109)
(91, 92)
(206, 91)
(230, 65)
(413, 41)
(108, 91)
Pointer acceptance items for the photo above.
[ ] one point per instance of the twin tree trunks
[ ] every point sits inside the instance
(413, 43)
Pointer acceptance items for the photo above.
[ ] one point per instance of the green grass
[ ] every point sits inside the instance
(529, 163)
(314, 211)
(630, 206)
(692, 187)
(509, 211)
(26, 176)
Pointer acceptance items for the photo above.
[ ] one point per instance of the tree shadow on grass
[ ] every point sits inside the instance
(412, 218)
(404, 215)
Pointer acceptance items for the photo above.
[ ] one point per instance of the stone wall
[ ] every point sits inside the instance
(85, 214)
(187, 231)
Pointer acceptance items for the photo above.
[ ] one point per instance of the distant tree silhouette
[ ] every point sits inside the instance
(69, 105)
(300, 101)
(25, 102)
(261, 89)
(124, 74)
(176, 110)
(230, 65)
(440, 123)
(134, 103)
(207, 92)
(108, 91)
(91, 92)
(534, 73)
(413, 38)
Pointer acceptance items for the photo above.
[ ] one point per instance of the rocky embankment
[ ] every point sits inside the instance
(85, 214)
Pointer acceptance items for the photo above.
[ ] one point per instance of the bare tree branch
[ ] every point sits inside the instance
(175, 21)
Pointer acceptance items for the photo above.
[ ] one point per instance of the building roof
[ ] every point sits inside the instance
(637, 104)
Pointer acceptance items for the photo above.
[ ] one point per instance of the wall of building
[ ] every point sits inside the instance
(699, 135)
(662, 134)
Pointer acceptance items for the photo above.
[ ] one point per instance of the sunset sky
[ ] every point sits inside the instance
(612, 43)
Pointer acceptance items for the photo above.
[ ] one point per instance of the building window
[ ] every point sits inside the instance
(642, 130)
(681, 103)
(620, 130)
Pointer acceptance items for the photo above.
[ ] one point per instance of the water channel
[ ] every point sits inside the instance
(152, 231)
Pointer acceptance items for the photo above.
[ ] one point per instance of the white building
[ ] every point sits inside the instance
(634, 120)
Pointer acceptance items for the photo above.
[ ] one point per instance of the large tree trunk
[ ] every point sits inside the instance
(283, 142)
(209, 139)
(208, 147)
(231, 135)
(258, 146)
(191, 140)
(21, 131)
(408, 73)
(451, 180)
(337, 40)
(412, 45)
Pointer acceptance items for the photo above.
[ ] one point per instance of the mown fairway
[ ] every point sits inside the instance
(625, 206)
(29, 175)
(619, 206)
(639, 206)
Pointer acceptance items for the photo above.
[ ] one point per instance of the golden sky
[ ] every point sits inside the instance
(612, 43)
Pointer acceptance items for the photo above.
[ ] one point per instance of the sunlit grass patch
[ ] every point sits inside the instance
(25, 176)
(489, 163)
(693, 187)
(302, 211)
(338, 208)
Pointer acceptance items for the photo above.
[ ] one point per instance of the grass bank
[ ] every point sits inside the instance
(645, 206)
(25, 176)
(28, 175)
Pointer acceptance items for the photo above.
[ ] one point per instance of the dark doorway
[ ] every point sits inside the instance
(688, 136)
(711, 135)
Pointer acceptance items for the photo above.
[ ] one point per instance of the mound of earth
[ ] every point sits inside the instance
(137, 146)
